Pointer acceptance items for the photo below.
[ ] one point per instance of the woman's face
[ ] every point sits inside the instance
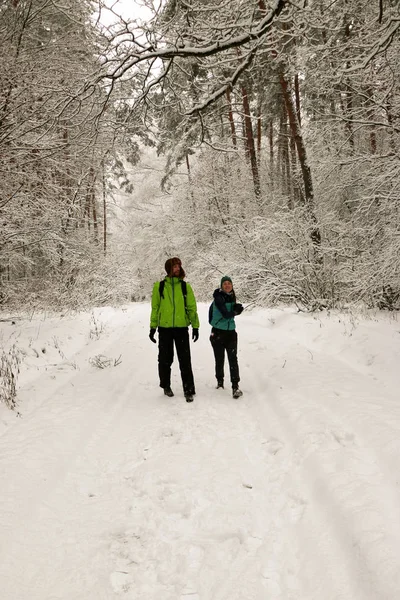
(227, 287)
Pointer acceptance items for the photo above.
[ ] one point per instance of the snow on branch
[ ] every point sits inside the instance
(176, 51)
(380, 46)
(228, 84)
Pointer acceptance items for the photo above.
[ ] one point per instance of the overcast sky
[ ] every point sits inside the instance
(128, 9)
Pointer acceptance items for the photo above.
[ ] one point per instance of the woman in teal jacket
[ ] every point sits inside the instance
(223, 336)
(173, 309)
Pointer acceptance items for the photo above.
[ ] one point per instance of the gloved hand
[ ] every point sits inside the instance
(195, 334)
(237, 308)
(152, 334)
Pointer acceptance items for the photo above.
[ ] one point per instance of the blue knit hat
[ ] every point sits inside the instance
(225, 278)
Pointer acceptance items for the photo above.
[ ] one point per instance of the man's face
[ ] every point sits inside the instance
(176, 269)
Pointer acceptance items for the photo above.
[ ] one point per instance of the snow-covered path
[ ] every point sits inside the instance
(111, 490)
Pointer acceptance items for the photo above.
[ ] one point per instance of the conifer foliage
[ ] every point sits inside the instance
(279, 122)
(286, 118)
(52, 148)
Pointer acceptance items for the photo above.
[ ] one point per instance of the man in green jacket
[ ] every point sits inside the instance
(173, 309)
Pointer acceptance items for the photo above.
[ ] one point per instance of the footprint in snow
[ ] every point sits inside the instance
(343, 438)
(297, 507)
(121, 581)
(125, 547)
(274, 445)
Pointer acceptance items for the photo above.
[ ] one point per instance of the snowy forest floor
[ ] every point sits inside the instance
(110, 490)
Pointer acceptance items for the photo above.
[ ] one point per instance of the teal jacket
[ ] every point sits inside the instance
(169, 311)
(223, 316)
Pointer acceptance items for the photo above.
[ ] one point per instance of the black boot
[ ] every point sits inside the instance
(189, 397)
(168, 392)
(220, 384)
(236, 392)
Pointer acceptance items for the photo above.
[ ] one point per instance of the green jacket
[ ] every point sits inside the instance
(169, 311)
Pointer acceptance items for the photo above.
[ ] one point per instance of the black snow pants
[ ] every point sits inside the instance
(167, 336)
(222, 340)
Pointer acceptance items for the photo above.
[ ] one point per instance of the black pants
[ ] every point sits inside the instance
(222, 340)
(166, 338)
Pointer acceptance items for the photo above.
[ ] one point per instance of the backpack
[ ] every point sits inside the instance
(184, 291)
(210, 312)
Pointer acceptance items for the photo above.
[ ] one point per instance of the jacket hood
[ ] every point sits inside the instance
(219, 292)
(169, 264)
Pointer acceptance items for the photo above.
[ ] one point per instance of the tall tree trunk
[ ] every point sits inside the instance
(93, 204)
(24, 25)
(66, 179)
(104, 209)
(348, 111)
(231, 119)
(86, 209)
(95, 223)
(371, 116)
(250, 142)
(349, 99)
(389, 116)
(271, 149)
(297, 96)
(298, 196)
(216, 196)
(190, 183)
(259, 132)
(284, 165)
(302, 156)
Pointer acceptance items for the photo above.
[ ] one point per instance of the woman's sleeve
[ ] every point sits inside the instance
(220, 303)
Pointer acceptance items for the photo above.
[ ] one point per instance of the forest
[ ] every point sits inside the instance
(270, 130)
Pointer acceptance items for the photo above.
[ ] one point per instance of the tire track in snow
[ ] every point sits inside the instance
(42, 508)
(149, 498)
(318, 447)
(37, 457)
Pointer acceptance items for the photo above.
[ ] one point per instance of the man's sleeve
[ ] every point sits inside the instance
(155, 306)
(192, 307)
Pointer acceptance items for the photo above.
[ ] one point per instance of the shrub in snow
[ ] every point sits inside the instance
(9, 370)
(102, 362)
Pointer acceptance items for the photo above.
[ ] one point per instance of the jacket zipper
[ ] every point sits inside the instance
(173, 301)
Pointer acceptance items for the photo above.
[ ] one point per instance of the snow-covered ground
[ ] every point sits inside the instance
(110, 490)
